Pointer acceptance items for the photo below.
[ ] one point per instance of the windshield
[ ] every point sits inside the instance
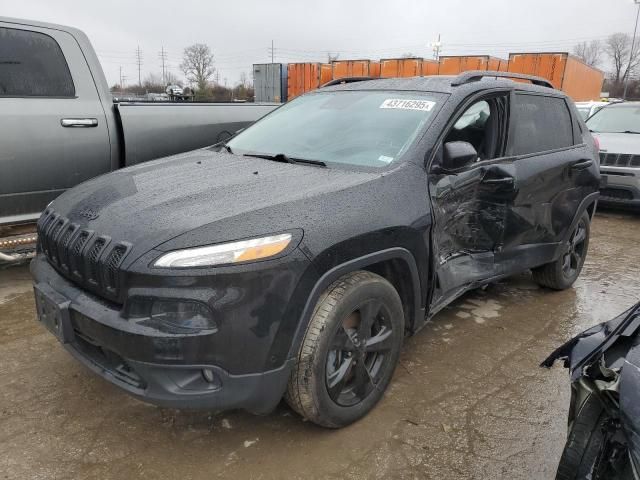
(615, 120)
(361, 128)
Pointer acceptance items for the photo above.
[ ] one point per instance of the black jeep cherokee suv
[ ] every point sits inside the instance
(293, 259)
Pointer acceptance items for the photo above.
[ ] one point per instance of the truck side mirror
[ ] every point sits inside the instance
(459, 155)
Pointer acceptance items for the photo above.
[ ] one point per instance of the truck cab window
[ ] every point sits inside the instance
(32, 65)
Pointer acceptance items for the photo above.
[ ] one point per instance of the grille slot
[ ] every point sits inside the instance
(56, 228)
(111, 266)
(93, 259)
(81, 255)
(63, 246)
(619, 160)
(75, 254)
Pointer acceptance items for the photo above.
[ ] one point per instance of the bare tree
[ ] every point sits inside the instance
(618, 49)
(589, 53)
(197, 64)
(332, 57)
(243, 79)
(172, 79)
(408, 55)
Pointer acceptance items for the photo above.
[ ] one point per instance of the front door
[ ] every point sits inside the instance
(53, 132)
(470, 204)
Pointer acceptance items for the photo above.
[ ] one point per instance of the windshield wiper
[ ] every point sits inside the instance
(629, 131)
(281, 157)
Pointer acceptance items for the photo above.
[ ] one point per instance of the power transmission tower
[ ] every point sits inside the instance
(139, 63)
(163, 58)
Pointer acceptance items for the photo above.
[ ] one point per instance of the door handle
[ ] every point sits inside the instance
(79, 122)
(498, 181)
(582, 164)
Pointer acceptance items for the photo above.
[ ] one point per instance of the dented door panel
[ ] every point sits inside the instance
(469, 210)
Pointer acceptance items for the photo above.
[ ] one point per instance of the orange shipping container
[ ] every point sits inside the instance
(326, 73)
(374, 69)
(400, 67)
(567, 73)
(429, 67)
(302, 77)
(350, 68)
(453, 65)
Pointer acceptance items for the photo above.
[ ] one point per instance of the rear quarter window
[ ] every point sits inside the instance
(541, 123)
(32, 65)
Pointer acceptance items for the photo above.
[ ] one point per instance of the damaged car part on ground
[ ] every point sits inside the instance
(604, 416)
(293, 259)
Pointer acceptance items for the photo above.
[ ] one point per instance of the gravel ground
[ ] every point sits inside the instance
(467, 401)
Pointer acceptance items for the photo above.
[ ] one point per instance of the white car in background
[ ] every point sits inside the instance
(174, 90)
(617, 130)
(586, 109)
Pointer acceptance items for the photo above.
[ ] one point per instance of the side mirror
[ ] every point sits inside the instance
(458, 155)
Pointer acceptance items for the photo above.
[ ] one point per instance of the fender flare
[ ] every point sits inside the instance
(591, 199)
(342, 269)
(587, 201)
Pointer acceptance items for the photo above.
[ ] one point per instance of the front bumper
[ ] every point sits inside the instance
(620, 187)
(168, 370)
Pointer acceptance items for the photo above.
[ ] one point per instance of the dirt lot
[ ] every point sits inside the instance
(467, 401)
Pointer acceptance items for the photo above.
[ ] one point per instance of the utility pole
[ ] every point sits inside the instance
(632, 52)
(163, 58)
(139, 63)
(437, 46)
(272, 51)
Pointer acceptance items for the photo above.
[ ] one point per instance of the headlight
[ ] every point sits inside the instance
(226, 253)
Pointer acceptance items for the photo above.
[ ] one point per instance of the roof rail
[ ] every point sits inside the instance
(340, 81)
(477, 75)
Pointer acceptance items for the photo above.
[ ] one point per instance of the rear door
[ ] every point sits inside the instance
(53, 131)
(550, 162)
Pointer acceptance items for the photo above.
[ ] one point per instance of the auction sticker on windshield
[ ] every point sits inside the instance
(404, 104)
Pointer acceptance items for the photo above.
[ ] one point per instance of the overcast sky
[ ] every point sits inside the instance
(240, 32)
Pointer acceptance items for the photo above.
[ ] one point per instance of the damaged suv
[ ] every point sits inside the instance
(292, 260)
(603, 442)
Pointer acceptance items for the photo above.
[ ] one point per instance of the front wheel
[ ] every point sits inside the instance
(349, 351)
(562, 273)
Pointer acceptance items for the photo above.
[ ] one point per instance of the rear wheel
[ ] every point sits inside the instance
(349, 351)
(565, 270)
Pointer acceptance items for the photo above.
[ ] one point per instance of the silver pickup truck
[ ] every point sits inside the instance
(60, 126)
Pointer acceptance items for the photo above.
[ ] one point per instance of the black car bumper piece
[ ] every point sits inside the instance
(151, 365)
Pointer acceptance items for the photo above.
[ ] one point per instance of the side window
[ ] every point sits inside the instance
(540, 124)
(32, 65)
(482, 125)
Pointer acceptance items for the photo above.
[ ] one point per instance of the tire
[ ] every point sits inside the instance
(584, 442)
(562, 273)
(349, 351)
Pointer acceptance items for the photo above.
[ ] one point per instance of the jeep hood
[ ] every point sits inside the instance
(619, 142)
(154, 202)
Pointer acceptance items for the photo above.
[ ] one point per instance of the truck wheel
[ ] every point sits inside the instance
(561, 274)
(349, 351)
